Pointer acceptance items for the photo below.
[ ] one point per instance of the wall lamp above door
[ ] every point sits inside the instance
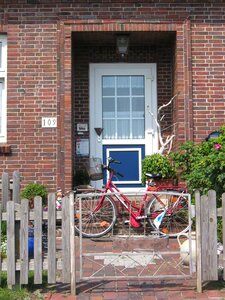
(122, 43)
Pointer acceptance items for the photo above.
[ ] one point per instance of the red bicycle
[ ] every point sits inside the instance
(164, 207)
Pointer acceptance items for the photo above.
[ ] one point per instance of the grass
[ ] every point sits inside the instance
(28, 292)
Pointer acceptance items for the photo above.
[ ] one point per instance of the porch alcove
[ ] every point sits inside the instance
(150, 47)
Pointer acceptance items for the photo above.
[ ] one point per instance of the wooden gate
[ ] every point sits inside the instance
(208, 260)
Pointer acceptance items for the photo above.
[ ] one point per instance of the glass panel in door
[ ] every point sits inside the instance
(123, 107)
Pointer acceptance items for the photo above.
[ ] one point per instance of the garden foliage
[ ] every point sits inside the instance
(202, 165)
(157, 163)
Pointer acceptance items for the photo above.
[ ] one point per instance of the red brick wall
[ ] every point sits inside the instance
(39, 72)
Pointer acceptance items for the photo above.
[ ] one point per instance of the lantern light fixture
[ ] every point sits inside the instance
(122, 43)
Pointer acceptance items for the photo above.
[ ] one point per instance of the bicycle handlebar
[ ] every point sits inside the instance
(110, 161)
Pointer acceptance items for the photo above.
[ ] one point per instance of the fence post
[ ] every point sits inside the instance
(209, 236)
(223, 218)
(198, 241)
(16, 199)
(72, 245)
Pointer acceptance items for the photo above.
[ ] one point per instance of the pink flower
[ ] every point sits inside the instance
(217, 146)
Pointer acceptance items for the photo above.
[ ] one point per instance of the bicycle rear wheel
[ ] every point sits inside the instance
(95, 223)
(176, 217)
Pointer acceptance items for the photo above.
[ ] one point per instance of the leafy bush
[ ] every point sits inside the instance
(32, 190)
(202, 165)
(157, 163)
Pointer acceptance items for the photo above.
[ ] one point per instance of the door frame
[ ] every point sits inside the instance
(96, 70)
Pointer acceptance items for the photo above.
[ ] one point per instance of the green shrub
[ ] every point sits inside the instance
(202, 165)
(32, 190)
(157, 163)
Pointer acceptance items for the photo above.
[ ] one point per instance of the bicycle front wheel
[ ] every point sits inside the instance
(95, 222)
(174, 212)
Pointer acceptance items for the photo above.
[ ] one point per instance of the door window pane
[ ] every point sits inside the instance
(123, 106)
(108, 107)
(108, 86)
(123, 130)
(109, 129)
(137, 84)
(138, 129)
(123, 85)
(138, 107)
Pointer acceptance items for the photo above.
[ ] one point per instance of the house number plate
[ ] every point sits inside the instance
(49, 122)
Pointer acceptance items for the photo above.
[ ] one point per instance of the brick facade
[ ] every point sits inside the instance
(45, 80)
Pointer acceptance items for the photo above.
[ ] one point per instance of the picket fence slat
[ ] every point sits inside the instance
(5, 189)
(204, 236)
(0, 241)
(16, 187)
(38, 240)
(198, 241)
(51, 239)
(209, 236)
(24, 242)
(212, 237)
(223, 218)
(11, 267)
(66, 239)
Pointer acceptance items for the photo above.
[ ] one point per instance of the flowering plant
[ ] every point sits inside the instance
(202, 165)
(217, 146)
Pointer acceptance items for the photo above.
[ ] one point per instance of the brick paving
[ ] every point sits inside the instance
(134, 289)
(140, 291)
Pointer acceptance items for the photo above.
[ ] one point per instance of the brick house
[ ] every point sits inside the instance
(62, 80)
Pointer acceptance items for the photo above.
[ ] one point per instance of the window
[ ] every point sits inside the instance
(123, 107)
(3, 82)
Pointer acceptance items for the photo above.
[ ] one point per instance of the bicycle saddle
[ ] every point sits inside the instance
(154, 176)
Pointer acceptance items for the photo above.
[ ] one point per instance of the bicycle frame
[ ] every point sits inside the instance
(124, 201)
(164, 207)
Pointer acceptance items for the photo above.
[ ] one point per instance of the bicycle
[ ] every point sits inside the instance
(166, 213)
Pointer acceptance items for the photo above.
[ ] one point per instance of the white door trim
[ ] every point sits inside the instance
(96, 71)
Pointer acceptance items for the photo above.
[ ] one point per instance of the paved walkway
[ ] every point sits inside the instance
(138, 289)
(124, 290)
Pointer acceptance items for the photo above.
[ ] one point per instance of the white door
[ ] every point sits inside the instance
(123, 101)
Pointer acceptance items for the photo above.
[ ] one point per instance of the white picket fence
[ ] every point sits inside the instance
(18, 216)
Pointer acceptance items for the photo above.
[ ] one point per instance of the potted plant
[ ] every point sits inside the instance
(158, 163)
(32, 190)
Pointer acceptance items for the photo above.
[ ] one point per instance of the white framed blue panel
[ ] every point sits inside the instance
(130, 157)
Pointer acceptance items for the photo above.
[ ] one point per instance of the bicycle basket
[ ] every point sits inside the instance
(94, 168)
